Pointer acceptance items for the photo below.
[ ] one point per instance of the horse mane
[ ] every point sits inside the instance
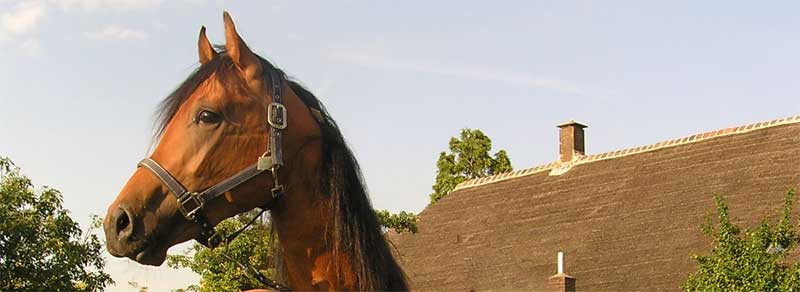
(355, 232)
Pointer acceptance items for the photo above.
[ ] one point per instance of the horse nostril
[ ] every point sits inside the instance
(123, 225)
(123, 221)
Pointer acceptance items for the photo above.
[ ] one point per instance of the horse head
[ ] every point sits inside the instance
(237, 135)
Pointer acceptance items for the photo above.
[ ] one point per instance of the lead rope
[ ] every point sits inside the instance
(248, 269)
(251, 271)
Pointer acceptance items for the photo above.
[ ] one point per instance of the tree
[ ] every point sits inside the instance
(468, 159)
(401, 222)
(755, 260)
(42, 247)
(218, 273)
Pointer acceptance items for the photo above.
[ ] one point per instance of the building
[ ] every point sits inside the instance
(628, 220)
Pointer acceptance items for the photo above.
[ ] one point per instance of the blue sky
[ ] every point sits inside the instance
(80, 79)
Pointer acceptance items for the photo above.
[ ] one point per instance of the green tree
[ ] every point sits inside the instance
(41, 247)
(218, 273)
(755, 260)
(469, 158)
(400, 222)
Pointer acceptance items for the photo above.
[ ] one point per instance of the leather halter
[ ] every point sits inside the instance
(191, 204)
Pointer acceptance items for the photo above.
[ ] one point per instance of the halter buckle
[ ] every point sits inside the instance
(276, 116)
(189, 204)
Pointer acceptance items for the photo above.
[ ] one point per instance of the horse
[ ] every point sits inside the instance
(221, 137)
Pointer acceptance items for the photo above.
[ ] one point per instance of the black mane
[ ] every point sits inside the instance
(356, 232)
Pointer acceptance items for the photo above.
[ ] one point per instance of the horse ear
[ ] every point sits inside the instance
(204, 48)
(245, 59)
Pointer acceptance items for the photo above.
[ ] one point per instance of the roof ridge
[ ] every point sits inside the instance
(558, 168)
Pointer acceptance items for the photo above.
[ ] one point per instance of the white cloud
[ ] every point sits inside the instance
(22, 19)
(372, 59)
(31, 47)
(114, 32)
(18, 24)
(93, 5)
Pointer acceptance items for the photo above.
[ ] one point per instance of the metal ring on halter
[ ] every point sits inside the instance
(195, 203)
(265, 162)
(277, 189)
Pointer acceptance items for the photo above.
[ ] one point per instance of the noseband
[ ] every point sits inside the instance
(192, 204)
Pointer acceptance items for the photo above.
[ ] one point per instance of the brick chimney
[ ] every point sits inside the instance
(571, 140)
(561, 282)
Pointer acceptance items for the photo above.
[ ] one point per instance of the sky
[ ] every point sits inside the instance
(80, 81)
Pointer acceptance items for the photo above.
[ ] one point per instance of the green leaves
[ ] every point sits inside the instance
(253, 246)
(468, 159)
(402, 222)
(41, 247)
(753, 261)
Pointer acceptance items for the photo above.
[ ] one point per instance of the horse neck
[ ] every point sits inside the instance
(302, 230)
(302, 221)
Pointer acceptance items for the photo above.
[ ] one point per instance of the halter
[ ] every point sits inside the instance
(192, 204)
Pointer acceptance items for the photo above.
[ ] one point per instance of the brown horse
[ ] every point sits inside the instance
(214, 125)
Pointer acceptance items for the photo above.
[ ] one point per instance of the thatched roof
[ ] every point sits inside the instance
(627, 220)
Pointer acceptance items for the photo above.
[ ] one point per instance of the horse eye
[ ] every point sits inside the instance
(208, 117)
